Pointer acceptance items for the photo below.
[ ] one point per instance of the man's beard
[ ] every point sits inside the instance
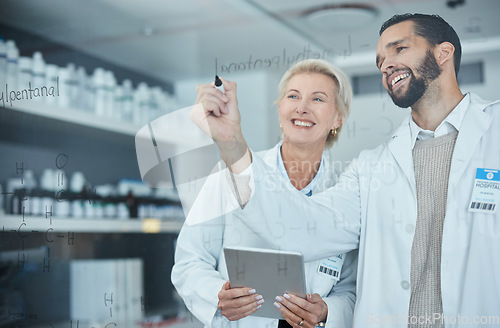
(429, 70)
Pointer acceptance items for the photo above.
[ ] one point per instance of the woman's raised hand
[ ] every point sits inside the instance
(216, 113)
(218, 116)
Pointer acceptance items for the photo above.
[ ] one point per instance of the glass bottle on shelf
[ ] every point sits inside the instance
(127, 103)
(109, 100)
(24, 73)
(39, 75)
(12, 62)
(81, 85)
(99, 92)
(141, 104)
(64, 99)
(52, 78)
(72, 85)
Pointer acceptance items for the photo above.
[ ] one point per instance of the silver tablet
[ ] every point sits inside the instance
(270, 272)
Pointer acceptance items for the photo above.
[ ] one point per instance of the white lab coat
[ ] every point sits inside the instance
(200, 269)
(373, 207)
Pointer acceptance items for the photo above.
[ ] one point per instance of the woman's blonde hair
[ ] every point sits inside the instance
(343, 93)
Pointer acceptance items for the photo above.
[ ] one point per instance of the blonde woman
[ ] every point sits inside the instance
(314, 100)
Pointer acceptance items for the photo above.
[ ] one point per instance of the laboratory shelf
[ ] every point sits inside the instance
(74, 116)
(28, 224)
(175, 136)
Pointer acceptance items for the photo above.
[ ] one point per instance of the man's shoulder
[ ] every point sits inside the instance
(484, 105)
(374, 154)
(403, 131)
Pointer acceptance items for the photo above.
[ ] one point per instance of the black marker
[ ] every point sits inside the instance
(219, 85)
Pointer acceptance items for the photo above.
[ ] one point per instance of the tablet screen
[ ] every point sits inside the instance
(270, 272)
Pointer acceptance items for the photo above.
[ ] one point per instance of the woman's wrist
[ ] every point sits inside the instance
(235, 153)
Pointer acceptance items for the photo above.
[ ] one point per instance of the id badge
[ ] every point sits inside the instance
(486, 193)
(331, 267)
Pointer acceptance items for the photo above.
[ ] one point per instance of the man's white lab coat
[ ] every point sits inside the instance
(374, 207)
(200, 268)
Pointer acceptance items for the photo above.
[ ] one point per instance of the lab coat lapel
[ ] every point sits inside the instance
(271, 155)
(474, 125)
(401, 148)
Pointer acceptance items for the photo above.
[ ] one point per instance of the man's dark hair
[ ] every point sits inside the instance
(433, 28)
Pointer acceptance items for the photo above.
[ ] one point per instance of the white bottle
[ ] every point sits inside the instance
(127, 101)
(3, 64)
(12, 58)
(64, 100)
(99, 91)
(48, 180)
(156, 104)
(24, 76)
(77, 182)
(89, 95)
(118, 103)
(110, 85)
(39, 76)
(141, 104)
(29, 180)
(52, 82)
(29, 202)
(72, 84)
(81, 85)
(78, 208)
(62, 208)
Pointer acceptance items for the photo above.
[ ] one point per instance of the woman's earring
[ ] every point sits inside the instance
(281, 126)
(334, 132)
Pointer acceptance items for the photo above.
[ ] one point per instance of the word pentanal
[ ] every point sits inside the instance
(29, 93)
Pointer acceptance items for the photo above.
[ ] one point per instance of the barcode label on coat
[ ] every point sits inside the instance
(483, 206)
(330, 272)
(331, 267)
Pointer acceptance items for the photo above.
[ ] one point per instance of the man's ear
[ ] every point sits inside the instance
(444, 52)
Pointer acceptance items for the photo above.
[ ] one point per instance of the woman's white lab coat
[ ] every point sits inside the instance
(200, 269)
(374, 207)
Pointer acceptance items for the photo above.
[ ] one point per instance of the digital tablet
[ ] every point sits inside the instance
(270, 272)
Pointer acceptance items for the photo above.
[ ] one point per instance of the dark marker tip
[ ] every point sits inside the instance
(218, 82)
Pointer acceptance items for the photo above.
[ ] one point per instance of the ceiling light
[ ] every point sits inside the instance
(340, 17)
